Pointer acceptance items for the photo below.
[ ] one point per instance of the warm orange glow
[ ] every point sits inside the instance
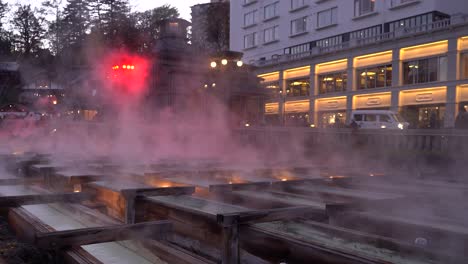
(269, 77)
(333, 103)
(297, 72)
(462, 93)
(271, 108)
(424, 50)
(297, 106)
(372, 100)
(77, 188)
(331, 66)
(284, 179)
(373, 59)
(124, 66)
(423, 96)
(54, 102)
(336, 177)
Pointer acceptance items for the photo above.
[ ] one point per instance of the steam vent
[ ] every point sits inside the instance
(261, 132)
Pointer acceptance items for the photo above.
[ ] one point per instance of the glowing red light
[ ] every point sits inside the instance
(133, 67)
(124, 66)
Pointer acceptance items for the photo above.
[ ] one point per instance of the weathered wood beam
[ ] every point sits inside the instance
(230, 248)
(268, 215)
(86, 236)
(132, 194)
(172, 254)
(41, 198)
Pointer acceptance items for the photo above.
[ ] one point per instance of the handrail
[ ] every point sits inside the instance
(387, 36)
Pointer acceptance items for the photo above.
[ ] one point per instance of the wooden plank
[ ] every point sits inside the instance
(171, 254)
(94, 235)
(268, 215)
(17, 200)
(277, 248)
(230, 247)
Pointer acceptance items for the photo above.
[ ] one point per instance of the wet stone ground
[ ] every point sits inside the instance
(13, 251)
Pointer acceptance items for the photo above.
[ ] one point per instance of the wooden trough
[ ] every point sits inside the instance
(204, 213)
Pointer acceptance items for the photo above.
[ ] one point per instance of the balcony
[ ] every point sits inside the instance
(402, 32)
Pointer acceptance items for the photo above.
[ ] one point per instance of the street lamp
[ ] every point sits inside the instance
(213, 64)
(224, 62)
(239, 63)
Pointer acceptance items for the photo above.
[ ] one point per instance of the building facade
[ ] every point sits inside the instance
(322, 59)
(210, 26)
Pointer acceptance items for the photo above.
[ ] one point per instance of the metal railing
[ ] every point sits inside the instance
(441, 24)
(440, 141)
(388, 36)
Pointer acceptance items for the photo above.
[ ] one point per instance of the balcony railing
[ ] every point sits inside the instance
(384, 37)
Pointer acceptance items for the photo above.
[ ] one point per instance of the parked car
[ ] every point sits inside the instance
(378, 119)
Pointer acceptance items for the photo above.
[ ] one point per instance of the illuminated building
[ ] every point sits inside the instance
(331, 57)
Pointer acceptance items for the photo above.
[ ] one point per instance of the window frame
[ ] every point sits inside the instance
(424, 72)
(333, 19)
(275, 11)
(360, 11)
(296, 7)
(387, 81)
(254, 14)
(275, 35)
(344, 77)
(291, 93)
(304, 21)
(254, 38)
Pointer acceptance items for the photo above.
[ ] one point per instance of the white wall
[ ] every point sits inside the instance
(346, 21)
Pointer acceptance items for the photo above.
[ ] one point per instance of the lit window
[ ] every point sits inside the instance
(299, 87)
(374, 77)
(299, 25)
(327, 17)
(464, 66)
(425, 70)
(333, 82)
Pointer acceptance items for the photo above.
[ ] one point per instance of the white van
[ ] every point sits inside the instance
(378, 119)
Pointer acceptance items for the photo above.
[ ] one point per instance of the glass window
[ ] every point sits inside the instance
(327, 17)
(332, 119)
(333, 82)
(464, 66)
(273, 88)
(250, 40)
(370, 117)
(358, 117)
(298, 87)
(299, 25)
(362, 7)
(295, 4)
(270, 34)
(270, 11)
(425, 70)
(249, 1)
(250, 18)
(399, 2)
(374, 77)
(384, 118)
